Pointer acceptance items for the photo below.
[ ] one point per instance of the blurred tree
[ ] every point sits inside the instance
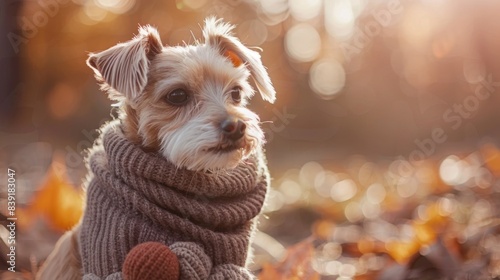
(9, 59)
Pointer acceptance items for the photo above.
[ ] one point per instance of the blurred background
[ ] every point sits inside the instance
(382, 144)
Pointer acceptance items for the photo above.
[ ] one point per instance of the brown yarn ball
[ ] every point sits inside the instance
(152, 261)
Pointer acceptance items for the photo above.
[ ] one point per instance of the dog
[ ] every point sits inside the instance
(186, 103)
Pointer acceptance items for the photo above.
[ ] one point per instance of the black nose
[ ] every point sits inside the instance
(233, 128)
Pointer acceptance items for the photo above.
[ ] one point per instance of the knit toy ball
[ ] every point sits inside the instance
(152, 261)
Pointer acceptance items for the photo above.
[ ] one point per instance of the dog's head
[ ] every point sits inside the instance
(187, 102)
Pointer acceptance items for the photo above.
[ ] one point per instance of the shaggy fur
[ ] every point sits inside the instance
(141, 73)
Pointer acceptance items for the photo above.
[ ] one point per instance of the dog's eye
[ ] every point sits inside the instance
(236, 94)
(178, 97)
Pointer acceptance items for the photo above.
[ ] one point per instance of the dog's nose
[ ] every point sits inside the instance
(233, 128)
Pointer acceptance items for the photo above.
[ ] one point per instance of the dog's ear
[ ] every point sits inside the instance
(218, 34)
(122, 69)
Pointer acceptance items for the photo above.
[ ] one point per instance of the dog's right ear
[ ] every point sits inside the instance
(122, 69)
(218, 34)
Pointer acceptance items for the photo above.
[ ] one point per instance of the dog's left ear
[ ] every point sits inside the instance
(218, 34)
(122, 69)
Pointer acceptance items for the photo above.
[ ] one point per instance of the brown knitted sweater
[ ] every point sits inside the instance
(135, 197)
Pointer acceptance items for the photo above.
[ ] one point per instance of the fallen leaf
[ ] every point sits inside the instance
(296, 265)
(56, 199)
(402, 251)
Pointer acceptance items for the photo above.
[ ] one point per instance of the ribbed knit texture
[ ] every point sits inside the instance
(135, 197)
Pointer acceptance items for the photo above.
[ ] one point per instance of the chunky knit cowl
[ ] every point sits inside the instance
(133, 197)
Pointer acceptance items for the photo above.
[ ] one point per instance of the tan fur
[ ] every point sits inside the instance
(64, 261)
(140, 73)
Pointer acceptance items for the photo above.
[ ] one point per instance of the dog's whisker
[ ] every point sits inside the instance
(196, 41)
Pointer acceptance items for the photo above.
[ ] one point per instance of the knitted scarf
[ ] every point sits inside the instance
(134, 197)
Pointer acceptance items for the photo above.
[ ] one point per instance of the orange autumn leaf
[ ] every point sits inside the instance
(296, 265)
(424, 233)
(57, 200)
(402, 251)
(435, 217)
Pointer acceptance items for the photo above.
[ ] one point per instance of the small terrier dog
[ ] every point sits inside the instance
(187, 103)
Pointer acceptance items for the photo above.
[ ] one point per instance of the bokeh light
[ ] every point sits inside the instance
(407, 187)
(291, 191)
(474, 70)
(454, 171)
(375, 193)
(305, 10)
(94, 12)
(302, 42)
(370, 210)
(274, 6)
(275, 201)
(254, 31)
(274, 11)
(343, 190)
(324, 182)
(327, 78)
(191, 4)
(339, 18)
(117, 6)
(309, 172)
